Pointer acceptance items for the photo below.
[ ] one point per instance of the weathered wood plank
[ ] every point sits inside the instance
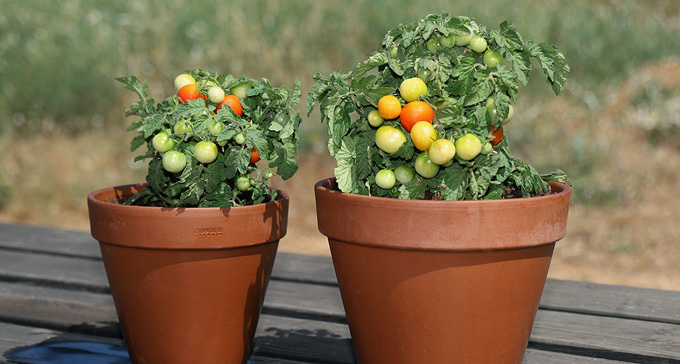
(49, 240)
(58, 270)
(319, 302)
(610, 300)
(607, 337)
(304, 268)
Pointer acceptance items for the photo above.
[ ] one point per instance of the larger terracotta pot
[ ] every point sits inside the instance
(188, 283)
(440, 281)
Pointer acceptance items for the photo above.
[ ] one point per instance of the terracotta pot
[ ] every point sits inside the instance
(440, 281)
(188, 283)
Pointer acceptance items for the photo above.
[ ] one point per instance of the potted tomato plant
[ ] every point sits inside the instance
(441, 239)
(189, 253)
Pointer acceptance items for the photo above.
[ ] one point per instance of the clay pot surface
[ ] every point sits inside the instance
(188, 283)
(440, 281)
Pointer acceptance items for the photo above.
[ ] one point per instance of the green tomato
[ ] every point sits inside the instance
(478, 44)
(433, 45)
(389, 139)
(447, 41)
(162, 142)
(243, 183)
(183, 80)
(468, 147)
(240, 138)
(174, 161)
(240, 90)
(269, 174)
(385, 179)
(442, 151)
(487, 148)
(463, 40)
(425, 167)
(375, 119)
(215, 128)
(205, 151)
(404, 174)
(492, 58)
(425, 74)
(216, 94)
(183, 127)
(394, 51)
(491, 108)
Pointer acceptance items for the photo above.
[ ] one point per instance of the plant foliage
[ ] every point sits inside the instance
(268, 125)
(459, 85)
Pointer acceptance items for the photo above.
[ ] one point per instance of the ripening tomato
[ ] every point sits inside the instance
(423, 135)
(468, 147)
(411, 89)
(497, 135)
(188, 92)
(442, 151)
(216, 94)
(389, 139)
(233, 102)
(389, 107)
(254, 156)
(414, 112)
(183, 80)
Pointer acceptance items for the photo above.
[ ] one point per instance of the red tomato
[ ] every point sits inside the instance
(497, 135)
(254, 156)
(233, 102)
(188, 92)
(414, 112)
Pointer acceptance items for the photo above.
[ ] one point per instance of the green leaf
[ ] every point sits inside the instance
(318, 91)
(480, 91)
(296, 94)
(344, 156)
(552, 62)
(255, 139)
(137, 142)
(455, 182)
(374, 60)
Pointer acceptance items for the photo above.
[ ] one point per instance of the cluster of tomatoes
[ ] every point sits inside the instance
(416, 118)
(205, 151)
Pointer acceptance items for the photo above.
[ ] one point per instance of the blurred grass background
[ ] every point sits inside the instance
(615, 130)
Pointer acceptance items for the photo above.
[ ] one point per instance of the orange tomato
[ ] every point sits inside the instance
(497, 135)
(254, 156)
(188, 92)
(414, 112)
(233, 102)
(389, 107)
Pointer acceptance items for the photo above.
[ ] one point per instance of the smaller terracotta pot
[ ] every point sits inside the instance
(440, 281)
(188, 283)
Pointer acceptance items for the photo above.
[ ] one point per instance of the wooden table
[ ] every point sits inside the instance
(55, 307)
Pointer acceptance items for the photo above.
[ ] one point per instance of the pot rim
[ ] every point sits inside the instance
(442, 225)
(184, 227)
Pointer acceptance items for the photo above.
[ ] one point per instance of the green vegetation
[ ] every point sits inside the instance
(58, 61)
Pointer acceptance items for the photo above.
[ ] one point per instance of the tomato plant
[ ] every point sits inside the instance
(385, 179)
(448, 70)
(423, 135)
(389, 139)
(196, 156)
(389, 107)
(412, 88)
(414, 112)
